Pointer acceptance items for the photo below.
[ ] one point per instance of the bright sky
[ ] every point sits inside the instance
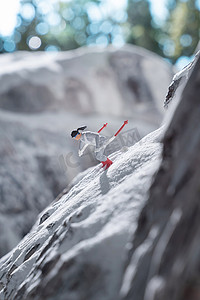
(10, 8)
(8, 13)
(159, 10)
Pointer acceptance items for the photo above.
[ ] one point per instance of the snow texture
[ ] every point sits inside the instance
(76, 249)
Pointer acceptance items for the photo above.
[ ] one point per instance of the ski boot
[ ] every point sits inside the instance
(107, 163)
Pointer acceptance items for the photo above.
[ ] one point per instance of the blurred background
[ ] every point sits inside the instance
(169, 28)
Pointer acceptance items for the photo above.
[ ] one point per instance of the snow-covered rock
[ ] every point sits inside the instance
(45, 96)
(179, 81)
(77, 248)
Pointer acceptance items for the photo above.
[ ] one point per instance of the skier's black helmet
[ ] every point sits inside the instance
(75, 132)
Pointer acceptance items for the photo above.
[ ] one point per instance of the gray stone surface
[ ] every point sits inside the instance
(165, 256)
(179, 81)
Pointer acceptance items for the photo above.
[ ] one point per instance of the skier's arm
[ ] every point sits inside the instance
(82, 147)
(97, 141)
(86, 140)
(89, 138)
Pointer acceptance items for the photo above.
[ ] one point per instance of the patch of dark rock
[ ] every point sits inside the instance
(65, 223)
(82, 279)
(83, 275)
(79, 214)
(12, 269)
(171, 91)
(31, 252)
(50, 243)
(44, 218)
(134, 87)
(191, 292)
(27, 97)
(56, 286)
(50, 226)
(48, 266)
(169, 142)
(20, 293)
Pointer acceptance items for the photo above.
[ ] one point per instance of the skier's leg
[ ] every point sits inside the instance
(103, 159)
(100, 155)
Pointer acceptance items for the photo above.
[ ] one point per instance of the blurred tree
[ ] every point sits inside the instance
(43, 25)
(182, 29)
(44, 28)
(63, 25)
(142, 30)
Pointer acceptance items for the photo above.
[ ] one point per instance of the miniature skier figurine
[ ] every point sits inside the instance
(95, 139)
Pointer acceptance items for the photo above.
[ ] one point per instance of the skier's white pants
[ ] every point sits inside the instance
(100, 155)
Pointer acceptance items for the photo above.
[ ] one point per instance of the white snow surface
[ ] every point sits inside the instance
(91, 225)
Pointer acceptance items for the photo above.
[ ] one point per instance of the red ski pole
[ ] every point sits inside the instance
(114, 136)
(103, 127)
(125, 122)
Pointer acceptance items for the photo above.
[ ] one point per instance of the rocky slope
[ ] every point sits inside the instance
(77, 247)
(163, 262)
(43, 97)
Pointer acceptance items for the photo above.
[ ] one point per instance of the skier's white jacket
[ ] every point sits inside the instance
(93, 139)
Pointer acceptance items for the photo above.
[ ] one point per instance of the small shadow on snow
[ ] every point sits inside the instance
(104, 183)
